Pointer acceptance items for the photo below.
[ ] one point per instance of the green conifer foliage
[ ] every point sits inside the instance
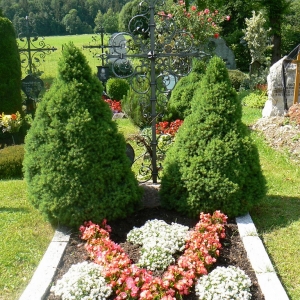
(213, 164)
(10, 69)
(179, 105)
(75, 162)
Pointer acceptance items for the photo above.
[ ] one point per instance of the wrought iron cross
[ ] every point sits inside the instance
(30, 50)
(165, 51)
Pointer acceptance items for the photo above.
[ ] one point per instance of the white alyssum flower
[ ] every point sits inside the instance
(159, 242)
(224, 284)
(83, 281)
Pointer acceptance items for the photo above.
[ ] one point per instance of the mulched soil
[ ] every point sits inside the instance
(232, 254)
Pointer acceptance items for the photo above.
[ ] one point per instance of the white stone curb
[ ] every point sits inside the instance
(267, 278)
(43, 276)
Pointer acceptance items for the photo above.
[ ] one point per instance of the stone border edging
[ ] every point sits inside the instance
(42, 278)
(269, 283)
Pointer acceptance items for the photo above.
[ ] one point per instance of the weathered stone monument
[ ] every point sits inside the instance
(274, 106)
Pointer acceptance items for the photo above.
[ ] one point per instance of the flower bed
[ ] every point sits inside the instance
(129, 281)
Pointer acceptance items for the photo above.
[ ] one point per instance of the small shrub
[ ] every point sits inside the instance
(237, 78)
(11, 160)
(256, 99)
(117, 88)
(75, 163)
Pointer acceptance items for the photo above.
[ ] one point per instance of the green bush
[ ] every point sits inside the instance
(179, 105)
(213, 164)
(117, 88)
(256, 99)
(11, 159)
(75, 162)
(237, 78)
(10, 69)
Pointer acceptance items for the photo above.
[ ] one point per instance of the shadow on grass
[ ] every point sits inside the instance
(276, 212)
(13, 210)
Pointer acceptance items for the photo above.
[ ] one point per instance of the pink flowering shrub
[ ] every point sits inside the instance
(201, 24)
(131, 282)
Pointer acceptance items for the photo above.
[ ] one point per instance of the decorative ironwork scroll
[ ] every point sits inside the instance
(32, 53)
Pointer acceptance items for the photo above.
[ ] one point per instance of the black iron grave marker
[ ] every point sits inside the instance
(31, 86)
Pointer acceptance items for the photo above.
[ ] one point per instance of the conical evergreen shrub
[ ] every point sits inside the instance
(75, 162)
(213, 164)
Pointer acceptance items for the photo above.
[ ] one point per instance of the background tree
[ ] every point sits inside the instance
(276, 12)
(110, 21)
(75, 164)
(10, 69)
(290, 30)
(98, 21)
(213, 164)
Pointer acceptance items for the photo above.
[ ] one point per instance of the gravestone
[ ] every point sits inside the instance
(222, 50)
(32, 86)
(274, 106)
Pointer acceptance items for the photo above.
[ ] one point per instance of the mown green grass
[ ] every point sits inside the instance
(277, 218)
(25, 237)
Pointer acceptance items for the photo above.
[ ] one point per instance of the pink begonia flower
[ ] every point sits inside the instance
(206, 11)
(193, 7)
(227, 18)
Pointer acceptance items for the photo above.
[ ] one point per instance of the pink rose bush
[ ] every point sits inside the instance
(129, 281)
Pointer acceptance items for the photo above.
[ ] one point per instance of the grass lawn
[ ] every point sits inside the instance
(277, 218)
(49, 63)
(25, 237)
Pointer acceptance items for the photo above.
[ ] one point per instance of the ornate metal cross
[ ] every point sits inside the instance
(165, 52)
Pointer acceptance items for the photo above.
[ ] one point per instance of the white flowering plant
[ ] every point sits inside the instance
(159, 242)
(11, 123)
(83, 281)
(224, 283)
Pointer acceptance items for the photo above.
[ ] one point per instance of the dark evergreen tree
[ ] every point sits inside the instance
(213, 164)
(10, 69)
(75, 164)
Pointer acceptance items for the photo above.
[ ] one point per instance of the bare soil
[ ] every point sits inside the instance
(232, 253)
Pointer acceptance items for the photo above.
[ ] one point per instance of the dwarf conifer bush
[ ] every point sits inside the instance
(75, 164)
(117, 88)
(179, 105)
(213, 164)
